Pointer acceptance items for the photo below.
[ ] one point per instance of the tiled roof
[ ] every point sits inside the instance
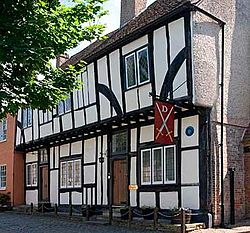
(154, 12)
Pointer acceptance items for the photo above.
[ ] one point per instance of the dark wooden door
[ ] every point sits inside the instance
(120, 182)
(44, 184)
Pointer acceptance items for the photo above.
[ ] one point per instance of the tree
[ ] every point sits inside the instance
(32, 33)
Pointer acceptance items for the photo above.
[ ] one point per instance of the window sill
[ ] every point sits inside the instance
(138, 86)
(3, 189)
(1, 141)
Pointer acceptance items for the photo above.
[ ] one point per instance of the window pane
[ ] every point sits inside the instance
(157, 165)
(63, 174)
(70, 174)
(3, 176)
(170, 166)
(25, 120)
(60, 107)
(146, 178)
(3, 129)
(34, 174)
(68, 104)
(130, 71)
(119, 142)
(29, 119)
(77, 173)
(142, 57)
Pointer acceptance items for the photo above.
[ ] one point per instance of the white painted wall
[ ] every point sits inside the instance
(64, 198)
(133, 193)
(168, 200)
(134, 45)
(67, 121)
(89, 174)
(76, 148)
(145, 99)
(147, 199)
(147, 133)
(28, 134)
(31, 197)
(76, 198)
(89, 150)
(190, 197)
(54, 186)
(91, 114)
(133, 143)
(131, 97)
(46, 129)
(35, 124)
(79, 118)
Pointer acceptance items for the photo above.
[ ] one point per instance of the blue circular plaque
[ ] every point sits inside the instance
(189, 131)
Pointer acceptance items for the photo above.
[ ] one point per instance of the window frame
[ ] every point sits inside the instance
(126, 70)
(2, 130)
(153, 167)
(127, 142)
(3, 187)
(33, 175)
(29, 117)
(150, 167)
(164, 155)
(138, 66)
(63, 102)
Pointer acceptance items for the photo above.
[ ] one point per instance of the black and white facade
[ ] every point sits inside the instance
(101, 139)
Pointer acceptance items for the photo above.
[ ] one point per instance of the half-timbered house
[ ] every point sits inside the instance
(101, 139)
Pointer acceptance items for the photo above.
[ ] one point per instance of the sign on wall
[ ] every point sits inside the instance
(164, 123)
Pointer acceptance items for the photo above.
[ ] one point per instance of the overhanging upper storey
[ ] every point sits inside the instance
(147, 58)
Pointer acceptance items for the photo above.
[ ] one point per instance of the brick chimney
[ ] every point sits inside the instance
(61, 58)
(130, 9)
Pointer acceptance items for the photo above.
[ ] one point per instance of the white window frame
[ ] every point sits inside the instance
(150, 167)
(3, 187)
(32, 184)
(138, 66)
(73, 174)
(153, 169)
(63, 102)
(3, 131)
(126, 70)
(165, 169)
(26, 112)
(72, 182)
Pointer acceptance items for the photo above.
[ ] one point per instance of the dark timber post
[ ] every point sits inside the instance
(183, 224)
(56, 209)
(232, 207)
(129, 216)
(31, 207)
(87, 213)
(42, 207)
(70, 210)
(155, 218)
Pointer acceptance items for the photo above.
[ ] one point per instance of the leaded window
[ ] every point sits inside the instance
(143, 67)
(130, 71)
(3, 129)
(31, 174)
(119, 143)
(146, 166)
(2, 176)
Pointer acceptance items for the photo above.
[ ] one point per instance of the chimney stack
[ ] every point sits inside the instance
(61, 58)
(130, 9)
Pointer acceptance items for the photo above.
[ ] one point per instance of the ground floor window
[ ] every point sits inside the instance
(71, 174)
(158, 165)
(2, 176)
(31, 174)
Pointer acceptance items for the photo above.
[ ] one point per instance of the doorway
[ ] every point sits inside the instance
(120, 182)
(44, 183)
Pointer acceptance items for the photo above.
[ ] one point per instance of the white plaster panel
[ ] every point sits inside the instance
(75, 97)
(160, 57)
(54, 186)
(51, 157)
(144, 97)
(190, 166)
(190, 197)
(133, 143)
(56, 125)
(76, 148)
(168, 200)
(19, 115)
(64, 198)
(35, 124)
(99, 174)
(46, 129)
(177, 37)
(56, 157)
(115, 75)
(105, 171)
(67, 121)
(91, 83)
(131, 97)
(134, 45)
(79, 118)
(89, 174)
(28, 134)
(180, 82)
(133, 193)
(85, 88)
(103, 71)
(175, 128)
(147, 133)
(193, 140)
(91, 114)
(147, 199)
(31, 197)
(18, 136)
(104, 107)
(76, 198)
(89, 150)
(32, 156)
(64, 150)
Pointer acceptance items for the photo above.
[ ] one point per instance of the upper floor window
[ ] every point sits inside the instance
(119, 142)
(31, 174)
(43, 156)
(2, 177)
(27, 117)
(137, 68)
(158, 165)
(64, 106)
(3, 129)
(45, 116)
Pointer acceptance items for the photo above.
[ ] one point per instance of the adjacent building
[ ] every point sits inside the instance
(101, 140)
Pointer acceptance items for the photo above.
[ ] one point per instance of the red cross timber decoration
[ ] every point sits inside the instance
(164, 123)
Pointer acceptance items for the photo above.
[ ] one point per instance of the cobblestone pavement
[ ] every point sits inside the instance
(15, 223)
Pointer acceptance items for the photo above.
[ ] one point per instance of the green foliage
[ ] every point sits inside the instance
(4, 199)
(32, 33)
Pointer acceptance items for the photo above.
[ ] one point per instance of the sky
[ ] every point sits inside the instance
(112, 20)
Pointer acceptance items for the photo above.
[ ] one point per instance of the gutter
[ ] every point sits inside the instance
(222, 26)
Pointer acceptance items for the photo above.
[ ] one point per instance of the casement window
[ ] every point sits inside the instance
(137, 68)
(3, 129)
(26, 117)
(31, 175)
(2, 177)
(64, 106)
(71, 174)
(120, 143)
(158, 165)
(43, 156)
(44, 116)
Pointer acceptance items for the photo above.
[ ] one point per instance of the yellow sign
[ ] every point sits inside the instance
(133, 187)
